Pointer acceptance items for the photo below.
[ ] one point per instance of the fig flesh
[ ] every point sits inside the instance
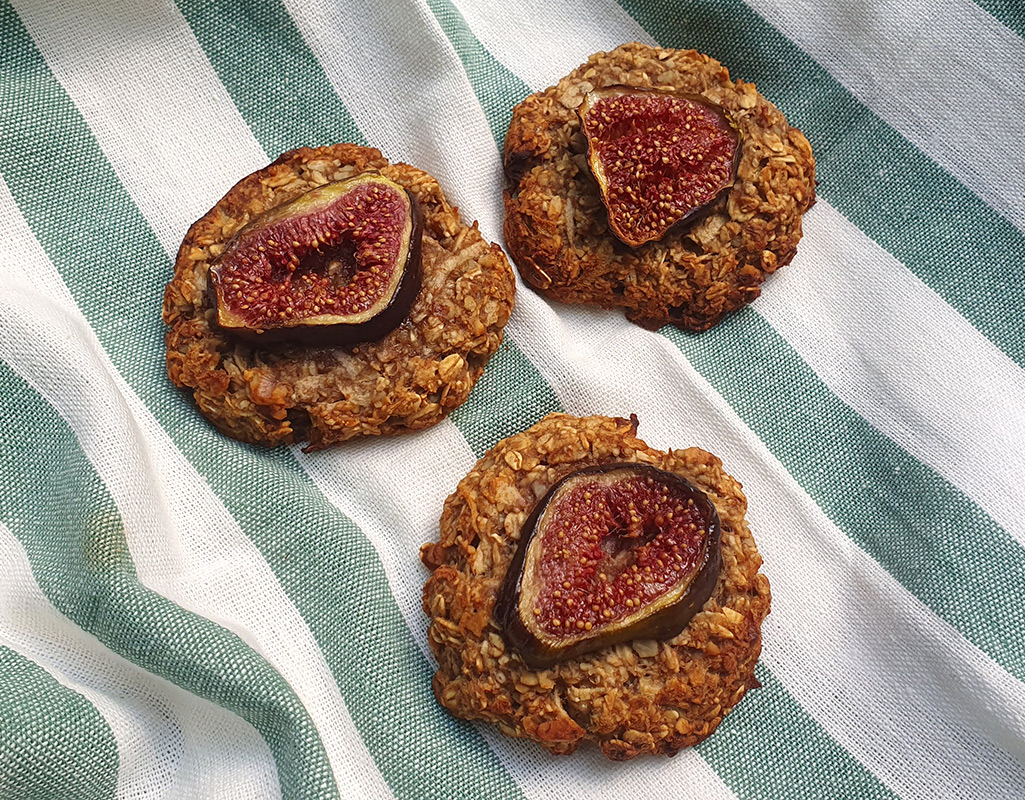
(610, 554)
(339, 264)
(659, 158)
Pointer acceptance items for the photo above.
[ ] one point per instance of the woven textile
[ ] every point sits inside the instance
(184, 616)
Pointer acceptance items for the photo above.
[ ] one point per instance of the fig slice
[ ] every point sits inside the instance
(660, 158)
(610, 554)
(339, 264)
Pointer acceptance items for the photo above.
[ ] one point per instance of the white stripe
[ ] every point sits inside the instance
(170, 744)
(944, 73)
(185, 544)
(464, 158)
(598, 363)
(567, 37)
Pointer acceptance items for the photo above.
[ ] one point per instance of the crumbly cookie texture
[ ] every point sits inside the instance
(556, 226)
(642, 697)
(409, 379)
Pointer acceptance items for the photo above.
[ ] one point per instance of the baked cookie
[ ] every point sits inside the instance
(408, 378)
(639, 696)
(711, 262)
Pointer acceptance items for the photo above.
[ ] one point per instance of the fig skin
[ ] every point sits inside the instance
(659, 620)
(618, 222)
(326, 329)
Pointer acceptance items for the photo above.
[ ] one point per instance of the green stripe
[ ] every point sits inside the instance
(927, 534)
(761, 762)
(58, 508)
(53, 742)
(97, 238)
(510, 396)
(1010, 12)
(955, 243)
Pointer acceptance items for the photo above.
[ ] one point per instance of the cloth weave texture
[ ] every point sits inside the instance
(184, 616)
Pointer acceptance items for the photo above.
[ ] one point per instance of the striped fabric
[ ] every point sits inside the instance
(182, 616)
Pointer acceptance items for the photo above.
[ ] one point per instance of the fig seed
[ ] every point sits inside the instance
(339, 264)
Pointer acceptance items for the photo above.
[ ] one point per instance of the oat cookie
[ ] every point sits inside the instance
(557, 228)
(286, 392)
(639, 697)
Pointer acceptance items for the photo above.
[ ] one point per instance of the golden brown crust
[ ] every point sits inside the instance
(409, 379)
(556, 226)
(641, 697)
